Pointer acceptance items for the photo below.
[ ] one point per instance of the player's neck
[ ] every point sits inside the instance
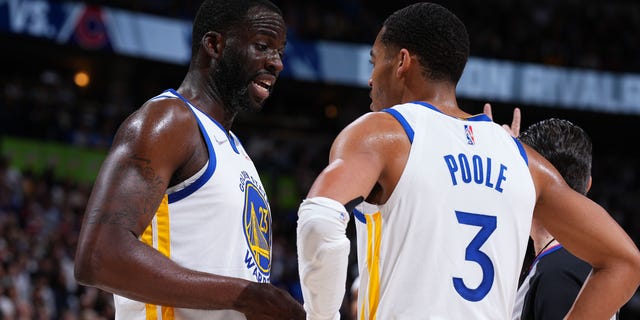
(195, 89)
(440, 94)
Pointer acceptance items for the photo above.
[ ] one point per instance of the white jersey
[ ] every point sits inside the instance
(218, 221)
(450, 241)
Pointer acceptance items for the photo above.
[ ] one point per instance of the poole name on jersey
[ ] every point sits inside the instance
(475, 169)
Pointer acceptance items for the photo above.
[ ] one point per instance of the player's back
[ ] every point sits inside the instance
(449, 242)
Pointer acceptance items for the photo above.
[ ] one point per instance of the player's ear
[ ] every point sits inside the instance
(404, 62)
(213, 44)
(589, 184)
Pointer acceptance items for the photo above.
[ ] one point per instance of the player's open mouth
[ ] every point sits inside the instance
(261, 88)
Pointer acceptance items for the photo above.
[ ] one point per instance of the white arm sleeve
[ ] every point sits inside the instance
(323, 254)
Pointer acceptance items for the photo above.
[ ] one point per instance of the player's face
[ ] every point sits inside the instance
(251, 61)
(382, 77)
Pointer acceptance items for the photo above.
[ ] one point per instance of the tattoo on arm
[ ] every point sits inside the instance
(140, 198)
(111, 218)
(151, 184)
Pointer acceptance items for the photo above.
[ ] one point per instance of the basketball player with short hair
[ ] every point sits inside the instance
(454, 195)
(178, 225)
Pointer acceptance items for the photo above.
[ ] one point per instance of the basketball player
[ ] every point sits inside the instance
(178, 225)
(454, 196)
(556, 276)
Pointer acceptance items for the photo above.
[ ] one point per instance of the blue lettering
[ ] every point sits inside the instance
(31, 17)
(257, 274)
(501, 177)
(460, 168)
(488, 182)
(453, 167)
(464, 168)
(248, 260)
(478, 175)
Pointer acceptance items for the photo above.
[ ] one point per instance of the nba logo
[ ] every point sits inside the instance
(468, 131)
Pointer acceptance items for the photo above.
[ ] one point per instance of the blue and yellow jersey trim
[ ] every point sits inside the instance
(371, 299)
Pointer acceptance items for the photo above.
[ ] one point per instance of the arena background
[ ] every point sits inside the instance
(576, 60)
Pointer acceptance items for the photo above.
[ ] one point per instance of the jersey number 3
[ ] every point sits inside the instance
(487, 225)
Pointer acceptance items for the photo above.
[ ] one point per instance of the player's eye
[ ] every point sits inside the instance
(262, 46)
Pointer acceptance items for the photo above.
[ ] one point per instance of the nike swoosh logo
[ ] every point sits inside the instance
(220, 142)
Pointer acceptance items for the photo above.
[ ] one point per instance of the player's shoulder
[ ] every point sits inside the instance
(376, 125)
(372, 131)
(374, 121)
(542, 171)
(164, 113)
(546, 178)
(164, 120)
(166, 107)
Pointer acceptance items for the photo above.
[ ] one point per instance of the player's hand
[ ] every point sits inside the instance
(514, 129)
(264, 301)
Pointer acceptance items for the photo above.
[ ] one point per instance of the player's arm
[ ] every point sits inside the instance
(589, 232)
(128, 190)
(356, 163)
(148, 148)
(357, 158)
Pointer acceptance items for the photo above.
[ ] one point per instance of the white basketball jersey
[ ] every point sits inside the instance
(449, 242)
(218, 221)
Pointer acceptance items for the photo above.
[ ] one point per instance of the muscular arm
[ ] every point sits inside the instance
(371, 151)
(361, 157)
(148, 148)
(587, 231)
(151, 147)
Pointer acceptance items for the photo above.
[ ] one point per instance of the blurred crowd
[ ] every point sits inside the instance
(40, 212)
(39, 222)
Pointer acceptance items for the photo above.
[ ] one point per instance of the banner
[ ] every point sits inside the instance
(99, 28)
(169, 40)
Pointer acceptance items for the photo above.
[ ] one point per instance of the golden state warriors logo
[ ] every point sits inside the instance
(257, 231)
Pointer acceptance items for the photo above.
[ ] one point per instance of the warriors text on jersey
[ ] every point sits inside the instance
(449, 242)
(217, 221)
